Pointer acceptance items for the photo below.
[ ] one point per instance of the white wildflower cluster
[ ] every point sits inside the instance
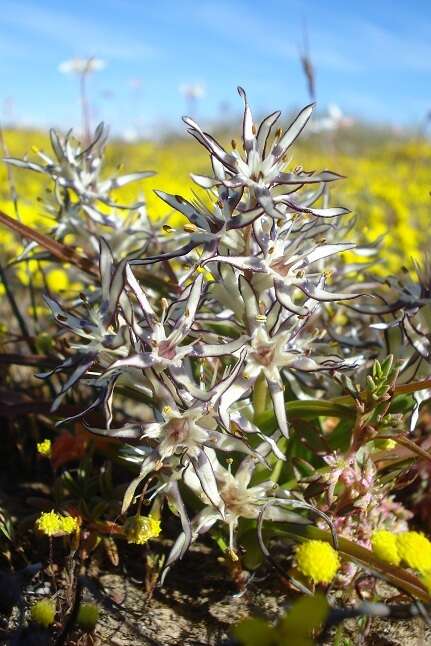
(208, 333)
(82, 197)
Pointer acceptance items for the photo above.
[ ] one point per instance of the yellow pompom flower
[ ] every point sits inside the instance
(57, 280)
(43, 612)
(384, 544)
(88, 616)
(44, 447)
(49, 523)
(69, 524)
(141, 529)
(415, 550)
(317, 560)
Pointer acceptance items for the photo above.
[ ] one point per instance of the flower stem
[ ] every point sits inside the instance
(51, 564)
(260, 393)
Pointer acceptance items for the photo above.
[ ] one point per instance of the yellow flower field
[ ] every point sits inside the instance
(387, 188)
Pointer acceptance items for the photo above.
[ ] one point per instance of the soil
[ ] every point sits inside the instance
(199, 605)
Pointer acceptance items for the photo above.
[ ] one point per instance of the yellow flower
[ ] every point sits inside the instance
(43, 612)
(141, 529)
(317, 560)
(88, 616)
(39, 310)
(69, 524)
(206, 274)
(384, 544)
(49, 523)
(426, 580)
(30, 271)
(385, 444)
(57, 280)
(53, 524)
(415, 550)
(44, 447)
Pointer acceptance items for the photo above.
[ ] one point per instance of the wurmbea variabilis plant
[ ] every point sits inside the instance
(217, 351)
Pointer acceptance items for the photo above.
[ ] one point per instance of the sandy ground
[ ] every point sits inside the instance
(199, 605)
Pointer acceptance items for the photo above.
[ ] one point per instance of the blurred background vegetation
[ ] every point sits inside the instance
(387, 185)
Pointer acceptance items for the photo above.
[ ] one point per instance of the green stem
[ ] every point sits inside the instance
(260, 393)
(276, 472)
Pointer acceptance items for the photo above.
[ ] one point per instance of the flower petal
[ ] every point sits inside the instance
(293, 131)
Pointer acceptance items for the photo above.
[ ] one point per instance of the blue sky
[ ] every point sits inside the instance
(373, 58)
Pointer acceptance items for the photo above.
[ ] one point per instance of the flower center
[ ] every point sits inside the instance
(237, 500)
(178, 430)
(166, 350)
(263, 354)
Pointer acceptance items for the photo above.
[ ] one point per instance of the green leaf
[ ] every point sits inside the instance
(255, 632)
(297, 627)
(311, 434)
(402, 404)
(341, 435)
(307, 409)
(306, 617)
(253, 556)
